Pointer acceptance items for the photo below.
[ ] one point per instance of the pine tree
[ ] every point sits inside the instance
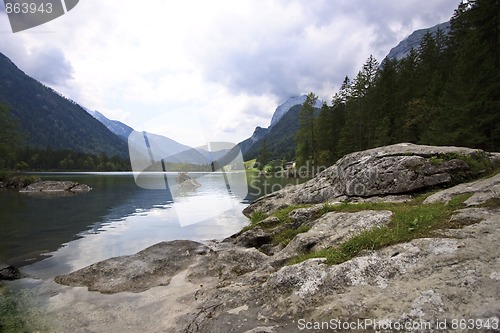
(306, 138)
(10, 138)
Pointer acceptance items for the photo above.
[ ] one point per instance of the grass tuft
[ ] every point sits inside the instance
(410, 221)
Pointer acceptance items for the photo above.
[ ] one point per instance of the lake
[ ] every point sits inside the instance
(50, 235)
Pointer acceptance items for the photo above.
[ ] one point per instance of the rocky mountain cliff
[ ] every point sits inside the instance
(118, 128)
(282, 109)
(260, 132)
(404, 47)
(279, 139)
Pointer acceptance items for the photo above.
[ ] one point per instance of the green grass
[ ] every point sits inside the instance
(284, 237)
(410, 221)
(20, 312)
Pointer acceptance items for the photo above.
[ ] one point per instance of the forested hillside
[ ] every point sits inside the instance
(446, 92)
(45, 118)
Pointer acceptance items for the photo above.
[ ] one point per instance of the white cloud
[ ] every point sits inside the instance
(162, 64)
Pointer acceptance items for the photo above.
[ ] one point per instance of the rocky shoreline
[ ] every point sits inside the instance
(247, 283)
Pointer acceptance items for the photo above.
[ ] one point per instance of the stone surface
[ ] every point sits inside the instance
(19, 182)
(391, 170)
(481, 190)
(233, 286)
(332, 229)
(55, 186)
(424, 280)
(154, 266)
(8, 272)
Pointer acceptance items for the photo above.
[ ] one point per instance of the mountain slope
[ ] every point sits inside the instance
(258, 134)
(282, 109)
(280, 140)
(118, 128)
(413, 41)
(48, 119)
(279, 113)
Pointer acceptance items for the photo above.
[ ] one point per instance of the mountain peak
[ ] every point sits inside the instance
(413, 41)
(283, 108)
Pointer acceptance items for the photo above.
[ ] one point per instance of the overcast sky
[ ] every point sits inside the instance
(197, 70)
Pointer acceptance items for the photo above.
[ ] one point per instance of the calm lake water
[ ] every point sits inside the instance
(116, 218)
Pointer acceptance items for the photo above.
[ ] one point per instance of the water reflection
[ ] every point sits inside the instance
(115, 218)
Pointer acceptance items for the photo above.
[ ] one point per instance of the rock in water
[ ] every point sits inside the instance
(396, 169)
(9, 272)
(55, 186)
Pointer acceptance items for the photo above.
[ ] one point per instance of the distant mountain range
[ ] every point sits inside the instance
(280, 138)
(280, 135)
(118, 128)
(47, 119)
(260, 132)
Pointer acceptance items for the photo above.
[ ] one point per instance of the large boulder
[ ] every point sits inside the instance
(390, 170)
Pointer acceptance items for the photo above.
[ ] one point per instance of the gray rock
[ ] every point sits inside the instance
(423, 280)
(81, 188)
(154, 266)
(332, 229)
(255, 237)
(55, 186)
(8, 272)
(302, 216)
(483, 190)
(472, 215)
(391, 170)
(229, 262)
(189, 185)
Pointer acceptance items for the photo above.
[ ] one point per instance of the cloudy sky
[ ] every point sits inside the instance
(197, 70)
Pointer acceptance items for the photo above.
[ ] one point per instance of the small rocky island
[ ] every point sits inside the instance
(404, 233)
(51, 186)
(34, 185)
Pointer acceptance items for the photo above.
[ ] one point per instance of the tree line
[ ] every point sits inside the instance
(16, 155)
(445, 92)
(47, 159)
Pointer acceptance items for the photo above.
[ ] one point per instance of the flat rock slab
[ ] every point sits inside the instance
(55, 186)
(152, 267)
(483, 190)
